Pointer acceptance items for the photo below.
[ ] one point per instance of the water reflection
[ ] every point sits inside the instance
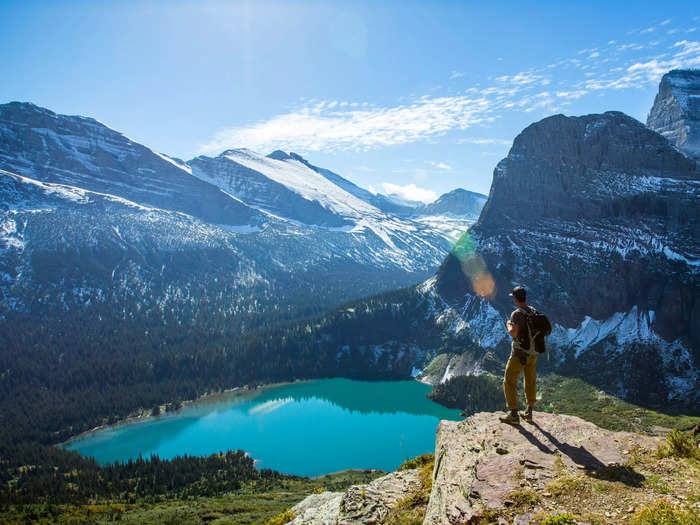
(380, 397)
(307, 428)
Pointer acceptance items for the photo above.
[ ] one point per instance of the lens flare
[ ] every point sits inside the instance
(484, 285)
(474, 267)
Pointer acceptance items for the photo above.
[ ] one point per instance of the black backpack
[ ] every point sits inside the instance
(538, 327)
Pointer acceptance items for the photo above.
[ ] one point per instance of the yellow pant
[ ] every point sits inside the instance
(510, 380)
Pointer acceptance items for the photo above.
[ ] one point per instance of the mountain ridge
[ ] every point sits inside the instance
(676, 110)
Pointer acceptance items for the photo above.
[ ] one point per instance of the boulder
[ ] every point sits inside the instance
(360, 504)
(318, 509)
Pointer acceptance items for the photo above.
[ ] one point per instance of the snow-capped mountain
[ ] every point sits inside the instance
(82, 152)
(676, 110)
(456, 203)
(87, 216)
(385, 203)
(284, 187)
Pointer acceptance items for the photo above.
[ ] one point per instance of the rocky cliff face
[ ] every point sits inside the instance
(676, 110)
(597, 216)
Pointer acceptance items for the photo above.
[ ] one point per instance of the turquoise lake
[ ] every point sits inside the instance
(307, 428)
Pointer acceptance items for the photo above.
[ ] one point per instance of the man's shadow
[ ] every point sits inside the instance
(580, 456)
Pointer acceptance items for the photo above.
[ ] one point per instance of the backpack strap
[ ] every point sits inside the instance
(529, 312)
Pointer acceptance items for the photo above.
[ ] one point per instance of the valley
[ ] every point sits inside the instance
(135, 281)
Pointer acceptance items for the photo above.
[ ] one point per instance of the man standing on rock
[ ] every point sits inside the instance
(522, 358)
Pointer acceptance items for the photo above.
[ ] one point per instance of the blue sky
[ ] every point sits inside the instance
(413, 97)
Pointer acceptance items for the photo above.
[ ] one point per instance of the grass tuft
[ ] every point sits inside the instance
(282, 518)
(524, 498)
(411, 509)
(559, 519)
(679, 445)
(418, 462)
(665, 513)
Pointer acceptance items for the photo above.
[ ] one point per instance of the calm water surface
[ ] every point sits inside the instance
(309, 428)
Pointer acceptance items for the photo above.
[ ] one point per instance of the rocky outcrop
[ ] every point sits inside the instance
(676, 110)
(482, 464)
(486, 471)
(360, 504)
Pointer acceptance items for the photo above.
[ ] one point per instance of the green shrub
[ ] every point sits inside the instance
(665, 513)
(418, 462)
(281, 519)
(680, 445)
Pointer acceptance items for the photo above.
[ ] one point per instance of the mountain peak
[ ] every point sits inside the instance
(676, 110)
(278, 154)
(234, 152)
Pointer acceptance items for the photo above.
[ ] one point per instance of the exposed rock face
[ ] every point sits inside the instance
(594, 200)
(480, 461)
(82, 152)
(318, 509)
(676, 110)
(360, 504)
(597, 216)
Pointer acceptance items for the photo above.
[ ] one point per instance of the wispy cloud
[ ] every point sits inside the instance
(441, 165)
(322, 127)
(332, 125)
(498, 142)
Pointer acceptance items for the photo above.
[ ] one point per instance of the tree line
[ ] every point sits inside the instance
(69, 372)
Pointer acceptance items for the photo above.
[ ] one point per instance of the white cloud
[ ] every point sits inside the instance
(498, 142)
(572, 95)
(410, 192)
(441, 165)
(321, 127)
(332, 125)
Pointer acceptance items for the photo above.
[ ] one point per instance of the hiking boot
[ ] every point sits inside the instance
(527, 415)
(512, 418)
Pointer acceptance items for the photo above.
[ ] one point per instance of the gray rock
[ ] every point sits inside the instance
(371, 503)
(470, 475)
(676, 110)
(318, 509)
(597, 216)
(360, 504)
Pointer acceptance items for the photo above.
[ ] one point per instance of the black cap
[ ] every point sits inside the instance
(519, 293)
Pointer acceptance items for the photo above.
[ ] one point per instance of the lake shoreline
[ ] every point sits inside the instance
(302, 428)
(204, 398)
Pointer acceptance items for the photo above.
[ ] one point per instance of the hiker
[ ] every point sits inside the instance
(523, 357)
